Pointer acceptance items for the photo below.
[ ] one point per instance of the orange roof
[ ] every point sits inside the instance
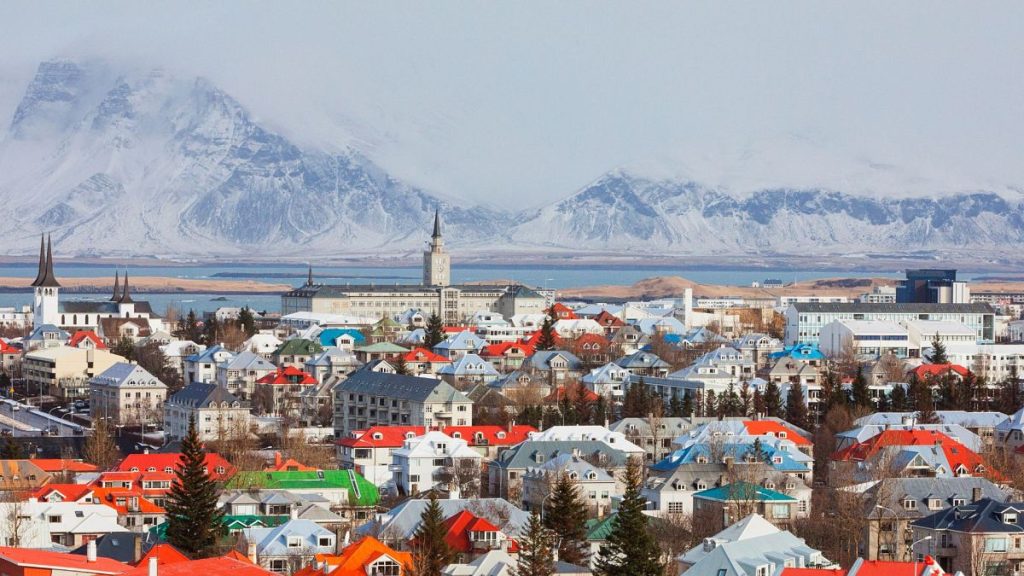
(394, 436)
(535, 337)
(381, 436)
(220, 566)
(64, 465)
(606, 318)
(238, 556)
(579, 394)
(562, 312)
(70, 492)
(813, 572)
(29, 558)
(956, 453)
(762, 427)
(938, 370)
(504, 348)
(164, 554)
(110, 496)
(81, 335)
(354, 558)
(287, 375)
(6, 348)
(885, 568)
(424, 355)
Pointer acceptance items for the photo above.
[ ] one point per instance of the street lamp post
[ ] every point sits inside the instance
(915, 543)
(878, 547)
(543, 500)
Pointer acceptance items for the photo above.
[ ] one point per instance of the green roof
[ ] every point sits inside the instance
(387, 322)
(299, 346)
(600, 528)
(365, 492)
(743, 491)
(231, 522)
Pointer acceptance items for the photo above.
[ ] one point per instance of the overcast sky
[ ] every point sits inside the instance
(519, 103)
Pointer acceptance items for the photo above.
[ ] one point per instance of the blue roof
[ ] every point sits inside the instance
(779, 460)
(329, 336)
(800, 351)
(743, 491)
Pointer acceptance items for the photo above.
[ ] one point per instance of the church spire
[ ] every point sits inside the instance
(437, 223)
(117, 286)
(49, 280)
(126, 298)
(42, 260)
(309, 278)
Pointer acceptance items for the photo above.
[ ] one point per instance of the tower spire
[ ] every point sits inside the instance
(309, 278)
(42, 260)
(437, 223)
(49, 280)
(126, 298)
(117, 286)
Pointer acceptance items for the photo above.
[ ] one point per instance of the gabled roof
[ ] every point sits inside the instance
(402, 387)
(199, 394)
(938, 370)
(420, 354)
(365, 493)
(354, 558)
(459, 526)
(743, 491)
(298, 346)
(164, 554)
(162, 461)
(464, 340)
(506, 348)
(63, 465)
(248, 360)
(89, 335)
(220, 566)
(287, 375)
(469, 364)
(641, 359)
(30, 558)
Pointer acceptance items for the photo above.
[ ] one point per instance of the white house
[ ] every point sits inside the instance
(430, 461)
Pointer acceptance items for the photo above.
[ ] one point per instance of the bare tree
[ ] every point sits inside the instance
(17, 528)
(100, 448)
(461, 476)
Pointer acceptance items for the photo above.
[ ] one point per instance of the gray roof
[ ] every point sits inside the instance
(125, 374)
(642, 359)
(525, 454)
(201, 394)
(401, 387)
(248, 360)
(905, 308)
(401, 521)
(893, 491)
(541, 359)
(983, 516)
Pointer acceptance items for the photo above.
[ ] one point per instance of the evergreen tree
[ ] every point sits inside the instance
(194, 520)
(883, 403)
(637, 401)
(189, 327)
(211, 331)
(758, 452)
(124, 348)
(600, 414)
(535, 554)
(566, 516)
(773, 401)
(687, 404)
(796, 408)
(434, 333)
(247, 321)
(1010, 397)
(430, 550)
(630, 550)
(710, 403)
(676, 407)
(939, 351)
(759, 401)
(860, 392)
(546, 341)
(401, 367)
(746, 402)
(898, 398)
(552, 417)
(923, 401)
(11, 450)
(832, 390)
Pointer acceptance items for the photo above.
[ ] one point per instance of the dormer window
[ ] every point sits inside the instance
(934, 504)
(909, 504)
(1009, 517)
(701, 485)
(295, 541)
(959, 501)
(378, 436)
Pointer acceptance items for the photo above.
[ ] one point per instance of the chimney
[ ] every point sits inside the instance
(975, 494)
(251, 552)
(295, 512)
(138, 549)
(90, 551)
(152, 566)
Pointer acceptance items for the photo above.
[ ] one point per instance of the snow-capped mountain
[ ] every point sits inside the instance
(128, 163)
(137, 164)
(626, 212)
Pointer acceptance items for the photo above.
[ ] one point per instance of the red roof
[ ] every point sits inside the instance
(562, 312)
(535, 337)
(762, 427)
(354, 559)
(64, 465)
(813, 572)
(221, 566)
(118, 498)
(6, 348)
(70, 492)
(938, 370)
(424, 355)
(160, 462)
(287, 375)
(885, 568)
(506, 348)
(606, 318)
(394, 436)
(238, 556)
(164, 554)
(29, 558)
(956, 454)
(81, 335)
(459, 526)
(591, 338)
(578, 393)
(455, 329)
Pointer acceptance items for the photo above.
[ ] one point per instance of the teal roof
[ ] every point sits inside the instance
(600, 528)
(365, 492)
(743, 491)
(298, 346)
(231, 522)
(329, 335)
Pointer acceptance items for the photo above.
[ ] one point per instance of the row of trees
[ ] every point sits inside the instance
(212, 331)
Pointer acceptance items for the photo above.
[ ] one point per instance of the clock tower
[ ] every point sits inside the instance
(436, 262)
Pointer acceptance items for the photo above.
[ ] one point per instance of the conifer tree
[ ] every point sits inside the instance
(600, 413)
(211, 331)
(434, 333)
(566, 516)
(796, 407)
(630, 550)
(687, 405)
(758, 401)
(676, 407)
(194, 520)
(883, 403)
(189, 327)
(746, 402)
(939, 351)
(11, 450)
(637, 401)
(546, 341)
(401, 366)
(535, 551)
(922, 400)
(898, 398)
(860, 392)
(430, 549)
(247, 321)
(710, 403)
(773, 401)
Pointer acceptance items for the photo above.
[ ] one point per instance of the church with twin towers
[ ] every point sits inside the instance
(454, 303)
(111, 317)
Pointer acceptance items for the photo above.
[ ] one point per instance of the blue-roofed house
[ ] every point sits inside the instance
(460, 344)
(46, 336)
(344, 338)
(467, 370)
(287, 548)
(643, 363)
(724, 505)
(202, 367)
(608, 380)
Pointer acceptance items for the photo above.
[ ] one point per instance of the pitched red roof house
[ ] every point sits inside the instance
(86, 338)
(506, 349)
(64, 493)
(220, 566)
(467, 533)
(961, 459)
(562, 312)
(862, 567)
(6, 348)
(357, 559)
(535, 337)
(422, 355)
(53, 465)
(777, 429)
(394, 436)
(31, 562)
(609, 321)
(287, 375)
(925, 371)
(216, 465)
(164, 554)
(574, 392)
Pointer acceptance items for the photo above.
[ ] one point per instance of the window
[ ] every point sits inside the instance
(279, 565)
(414, 478)
(294, 541)
(780, 511)
(909, 504)
(385, 567)
(675, 508)
(54, 519)
(995, 545)
(324, 541)
(438, 461)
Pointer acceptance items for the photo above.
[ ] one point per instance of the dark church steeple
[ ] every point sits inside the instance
(126, 297)
(117, 287)
(46, 277)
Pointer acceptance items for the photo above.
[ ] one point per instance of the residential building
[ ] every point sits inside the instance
(917, 453)
(366, 556)
(279, 392)
(69, 524)
(22, 476)
(342, 489)
(505, 475)
(368, 398)
(469, 536)
(804, 321)
(287, 548)
(436, 461)
(607, 381)
(596, 486)
(202, 366)
(980, 537)
(218, 413)
(332, 364)
(239, 373)
(397, 526)
(643, 363)
(866, 339)
(25, 562)
(126, 393)
(64, 371)
(467, 370)
(295, 352)
(724, 505)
